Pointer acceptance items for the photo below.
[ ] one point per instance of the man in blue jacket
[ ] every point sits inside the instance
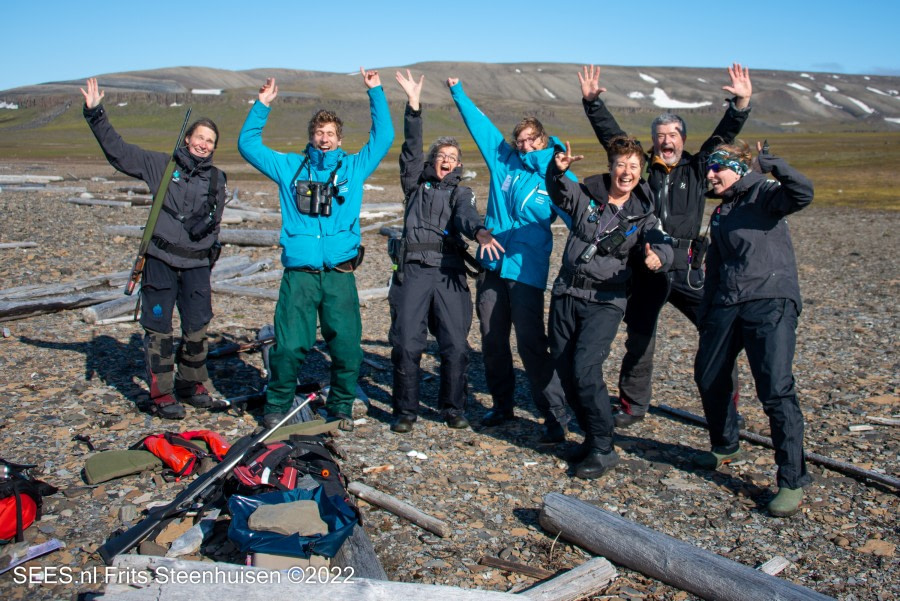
(321, 194)
(511, 291)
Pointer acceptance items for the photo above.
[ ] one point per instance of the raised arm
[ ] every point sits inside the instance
(602, 122)
(737, 112)
(563, 191)
(487, 137)
(250, 143)
(412, 158)
(381, 135)
(795, 190)
(129, 159)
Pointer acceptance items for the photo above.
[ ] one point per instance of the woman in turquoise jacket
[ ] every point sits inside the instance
(321, 194)
(510, 293)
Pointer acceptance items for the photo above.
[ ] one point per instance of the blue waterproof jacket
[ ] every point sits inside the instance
(313, 241)
(519, 211)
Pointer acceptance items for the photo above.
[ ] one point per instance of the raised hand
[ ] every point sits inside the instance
(412, 88)
(371, 78)
(452, 81)
(489, 244)
(268, 91)
(740, 85)
(651, 260)
(565, 159)
(589, 77)
(93, 95)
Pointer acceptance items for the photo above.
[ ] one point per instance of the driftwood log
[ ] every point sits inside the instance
(834, 464)
(18, 244)
(357, 552)
(19, 309)
(400, 508)
(660, 556)
(98, 202)
(578, 583)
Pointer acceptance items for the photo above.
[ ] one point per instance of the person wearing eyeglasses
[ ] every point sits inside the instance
(677, 182)
(320, 191)
(612, 219)
(510, 292)
(751, 301)
(429, 288)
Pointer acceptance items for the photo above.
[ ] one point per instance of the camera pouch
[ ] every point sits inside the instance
(697, 252)
(308, 196)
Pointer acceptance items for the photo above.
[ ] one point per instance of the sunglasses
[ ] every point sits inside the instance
(716, 167)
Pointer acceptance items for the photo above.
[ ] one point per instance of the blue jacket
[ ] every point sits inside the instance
(310, 241)
(518, 210)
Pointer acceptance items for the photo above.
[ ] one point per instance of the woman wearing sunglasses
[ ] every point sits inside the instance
(751, 301)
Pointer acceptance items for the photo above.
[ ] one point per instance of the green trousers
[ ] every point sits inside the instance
(332, 297)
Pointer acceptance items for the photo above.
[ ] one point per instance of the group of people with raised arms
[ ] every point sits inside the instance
(635, 242)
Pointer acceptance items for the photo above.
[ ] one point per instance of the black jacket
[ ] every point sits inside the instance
(437, 211)
(188, 193)
(588, 205)
(678, 193)
(750, 255)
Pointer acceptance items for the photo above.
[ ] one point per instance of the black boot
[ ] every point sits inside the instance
(495, 417)
(403, 424)
(596, 464)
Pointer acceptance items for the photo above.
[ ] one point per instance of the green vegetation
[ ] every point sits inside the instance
(848, 169)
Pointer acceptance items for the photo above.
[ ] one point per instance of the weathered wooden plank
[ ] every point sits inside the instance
(18, 244)
(226, 236)
(578, 583)
(358, 553)
(10, 310)
(513, 566)
(660, 556)
(400, 508)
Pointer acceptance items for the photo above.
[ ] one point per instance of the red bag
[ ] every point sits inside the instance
(21, 499)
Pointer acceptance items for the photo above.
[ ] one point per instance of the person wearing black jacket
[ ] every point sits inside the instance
(612, 217)
(751, 301)
(677, 182)
(180, 256)
(429, 289)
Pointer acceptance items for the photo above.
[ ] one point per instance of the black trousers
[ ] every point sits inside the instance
(503, 305)
(581, 333)
(164, 287)
(649, 294)
(766, 330)
(435, 299)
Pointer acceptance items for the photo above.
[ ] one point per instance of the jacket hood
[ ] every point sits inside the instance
(189, 162)
(598, 188)
(319, 160)
(539, 160)
(430, 175)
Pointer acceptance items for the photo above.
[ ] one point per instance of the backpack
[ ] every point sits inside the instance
(179, 451)
(277, 466)
(21, 499)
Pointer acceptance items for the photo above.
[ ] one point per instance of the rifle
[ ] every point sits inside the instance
(185, 499)
(158, 199)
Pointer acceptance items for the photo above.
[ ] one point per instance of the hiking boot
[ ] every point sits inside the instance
(457, 422)
(346, 422)
(495, 417)
(270, 420)
(596, 464)
(577, 453)
(623, 420)
(786, 502)
(195, 395)
(711, 460)
(167, 407)
(403, 424)
(554, 433)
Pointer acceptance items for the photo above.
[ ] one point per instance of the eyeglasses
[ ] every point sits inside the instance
(450, 158)
(521, 142)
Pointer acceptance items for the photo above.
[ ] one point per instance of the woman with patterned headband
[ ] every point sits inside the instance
(751, 301)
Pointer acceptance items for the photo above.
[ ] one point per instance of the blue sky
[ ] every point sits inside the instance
(53, 40)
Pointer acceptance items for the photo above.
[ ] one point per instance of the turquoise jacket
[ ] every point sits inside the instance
(313, 241)
(518, 210)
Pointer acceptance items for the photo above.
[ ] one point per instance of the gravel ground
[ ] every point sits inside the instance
(60, 377)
